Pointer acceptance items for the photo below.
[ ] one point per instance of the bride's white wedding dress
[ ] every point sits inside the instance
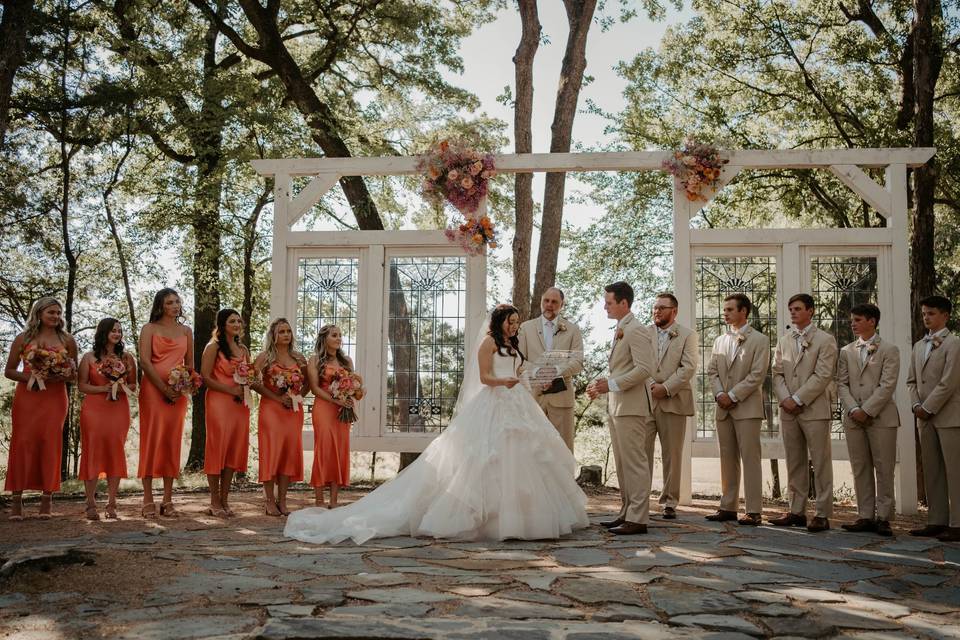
(500, 470)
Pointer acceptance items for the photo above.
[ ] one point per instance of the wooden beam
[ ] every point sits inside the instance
(864, 186)
(605, 161)
(310, 195)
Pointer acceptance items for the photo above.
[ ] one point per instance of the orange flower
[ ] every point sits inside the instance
(444, 145)
(478, 238)
(493, 244)
(433, 172)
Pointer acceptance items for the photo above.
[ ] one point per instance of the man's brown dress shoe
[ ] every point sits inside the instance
(929, 531)
(610, 524)
(722, 516)
(629, 529)
(860, 525)
(952, 534)
(789, 520)
(818, 524)
(883, 528)
(669, 513)
(751, 520)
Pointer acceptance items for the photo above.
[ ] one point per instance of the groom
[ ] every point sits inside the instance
(628, 408)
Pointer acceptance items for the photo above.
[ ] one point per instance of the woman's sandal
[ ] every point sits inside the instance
(111, 512)
(167, 510)
(216, 513)
(228, 512)
(16, 504)
(282, 511)
(46, 507)
(92, 514)
(149, 510)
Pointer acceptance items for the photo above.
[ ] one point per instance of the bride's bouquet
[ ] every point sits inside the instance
(546, 373)
(47, 364)
(347, 385)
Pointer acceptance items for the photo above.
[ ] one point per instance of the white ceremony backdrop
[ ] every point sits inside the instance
(410, 302)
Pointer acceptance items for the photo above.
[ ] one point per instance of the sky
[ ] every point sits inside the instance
(488, 60)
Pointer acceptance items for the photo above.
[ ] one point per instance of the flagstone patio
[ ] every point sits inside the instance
(199, 577)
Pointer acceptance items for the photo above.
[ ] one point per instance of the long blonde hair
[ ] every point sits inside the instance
(270, 344)
(321, 348)
(34, 322)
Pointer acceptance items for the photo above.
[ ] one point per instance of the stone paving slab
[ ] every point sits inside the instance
(240, 580)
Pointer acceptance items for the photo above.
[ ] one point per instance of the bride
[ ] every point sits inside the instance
(500, 470)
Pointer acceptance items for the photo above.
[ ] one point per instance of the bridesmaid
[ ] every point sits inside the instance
(37, 440)
(104, 421)
(228, 419)
(331, 447)
(279, 425)
(165, 342)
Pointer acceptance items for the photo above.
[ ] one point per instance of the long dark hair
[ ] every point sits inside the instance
(512, 344)
(156, 311)
(102, 336)
(220, 333)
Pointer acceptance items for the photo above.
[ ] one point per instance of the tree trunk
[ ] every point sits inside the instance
(579, 17)
(523, 143)
(775, 492)
(118, 242)
(249, 269)
(13, 41)
(66, 154)
(927, 62)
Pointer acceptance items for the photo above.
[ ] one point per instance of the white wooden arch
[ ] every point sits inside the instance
(889, 200)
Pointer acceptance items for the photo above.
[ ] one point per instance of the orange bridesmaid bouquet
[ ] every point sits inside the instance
(47, 364)
(347, 386)
(245, 375)
(114, 370)
(184, 381)
(288, 381)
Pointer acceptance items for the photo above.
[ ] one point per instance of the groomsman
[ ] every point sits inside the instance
(738, 367)
(867, 374)
(549, 332)
(675, 351)
(934, 384)
(628, 408)
(804, 366)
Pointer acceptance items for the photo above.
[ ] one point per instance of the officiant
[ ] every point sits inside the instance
(553, 332)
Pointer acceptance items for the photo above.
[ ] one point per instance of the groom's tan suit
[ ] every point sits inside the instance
(631, 362)
(675, 352)
(804, 368)
(738, 368)
(566, 337)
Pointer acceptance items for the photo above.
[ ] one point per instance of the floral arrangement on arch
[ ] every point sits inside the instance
(698, 166)
(461, 176)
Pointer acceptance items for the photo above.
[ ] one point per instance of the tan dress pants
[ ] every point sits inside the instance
(806, 441)
(740, 443)
(940, 451)
(627, 434)
(873, 456)
(561, 418)
(672, 431)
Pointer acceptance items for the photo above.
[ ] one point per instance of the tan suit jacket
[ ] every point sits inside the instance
(567, 337)
(675, 369)
(870, 386)
(807, 373)
(631, 363)
(935, 384)
(743, 375)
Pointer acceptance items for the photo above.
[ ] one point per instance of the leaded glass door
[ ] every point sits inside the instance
(408, 304)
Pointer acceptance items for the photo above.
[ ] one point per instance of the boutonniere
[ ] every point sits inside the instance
(937, 341)
(872, 348)
(560, 328)
(673, 333)
(804, 344)
(741, 338)
(619, 335)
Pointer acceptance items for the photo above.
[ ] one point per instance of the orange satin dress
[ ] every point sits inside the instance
(279, 436)
(331, 441)
(103, 431)
(228, 424)
(161, 423)
(37, 440)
